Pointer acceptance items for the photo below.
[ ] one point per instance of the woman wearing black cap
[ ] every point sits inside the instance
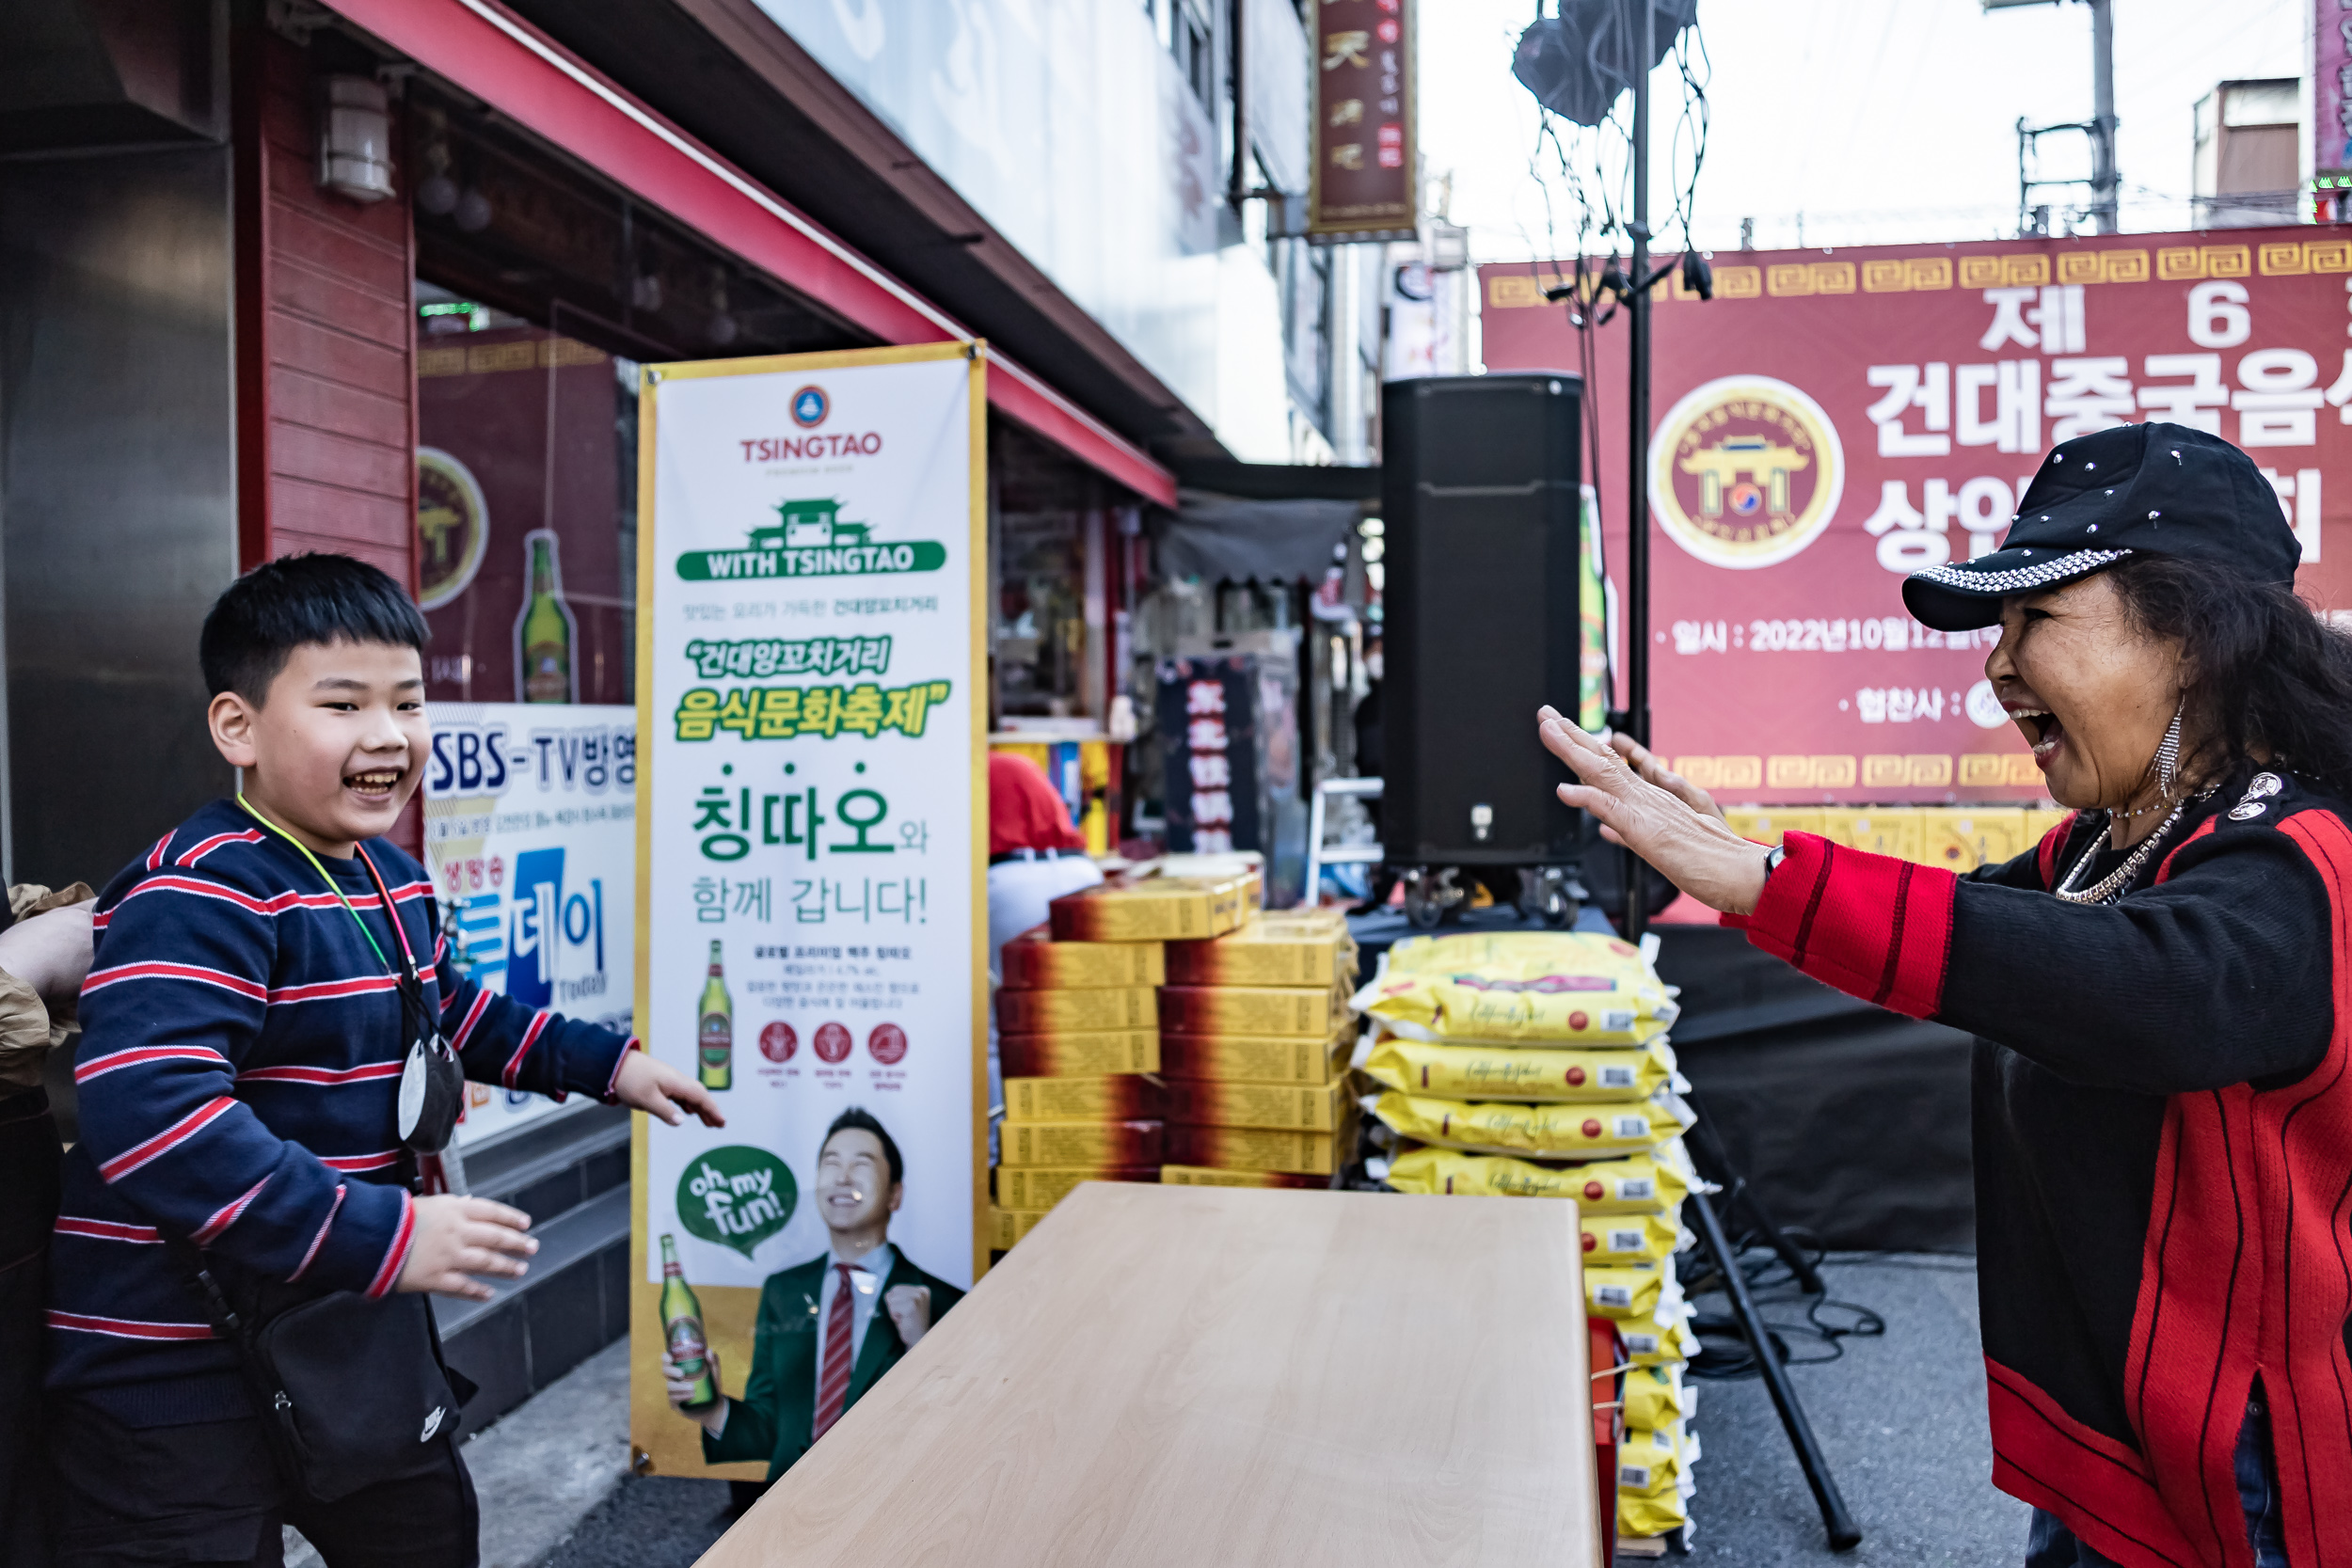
(2163, 1071)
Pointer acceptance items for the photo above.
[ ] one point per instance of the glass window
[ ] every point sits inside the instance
(526, 493)
(540, 289)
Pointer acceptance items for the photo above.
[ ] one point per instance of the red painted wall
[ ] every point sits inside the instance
(327, 416)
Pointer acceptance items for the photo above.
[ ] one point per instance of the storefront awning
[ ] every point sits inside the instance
(509, 65)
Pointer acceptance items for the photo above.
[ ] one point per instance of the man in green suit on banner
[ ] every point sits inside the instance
(817, 1348)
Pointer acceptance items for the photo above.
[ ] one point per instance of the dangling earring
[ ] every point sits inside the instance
(2168, 755)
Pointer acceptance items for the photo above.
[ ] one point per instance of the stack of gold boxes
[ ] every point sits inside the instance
(1958, 838)
(1254, 1033)
(1537, 1063)
(1077, 1021)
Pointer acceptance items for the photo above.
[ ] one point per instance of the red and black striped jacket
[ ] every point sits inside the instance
(237, 1078)
(2162, 1143)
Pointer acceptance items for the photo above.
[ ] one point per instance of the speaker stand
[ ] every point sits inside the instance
(1715, 1165)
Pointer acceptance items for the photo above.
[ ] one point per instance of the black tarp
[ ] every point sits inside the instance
(1219, 537)
(1849, 1120)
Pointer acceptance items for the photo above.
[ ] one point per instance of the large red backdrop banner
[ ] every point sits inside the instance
(1834, 420)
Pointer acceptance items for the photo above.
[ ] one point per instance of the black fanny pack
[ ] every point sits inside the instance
(351, 1392)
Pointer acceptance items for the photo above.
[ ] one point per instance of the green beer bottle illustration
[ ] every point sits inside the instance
(543, 632)
(714, 1030)
(682, 1327)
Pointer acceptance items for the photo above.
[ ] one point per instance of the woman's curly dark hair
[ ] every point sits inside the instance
(2270, 681)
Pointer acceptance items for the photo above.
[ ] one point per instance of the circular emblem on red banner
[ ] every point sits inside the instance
(831, 1042)
(1745, 471)
(887, 1044)
(777, 1041)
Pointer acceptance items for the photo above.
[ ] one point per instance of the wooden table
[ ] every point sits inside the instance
(1220, 1376)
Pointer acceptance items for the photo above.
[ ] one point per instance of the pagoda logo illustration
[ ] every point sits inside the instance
(809, 539)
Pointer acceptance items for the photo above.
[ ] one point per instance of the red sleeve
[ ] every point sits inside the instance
(1872, 925)
(1024, 810)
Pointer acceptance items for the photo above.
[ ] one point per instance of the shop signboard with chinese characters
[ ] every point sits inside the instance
(530, 837)
(1830, 422)
(2331, 92)
(811, 835)
(1363, 185)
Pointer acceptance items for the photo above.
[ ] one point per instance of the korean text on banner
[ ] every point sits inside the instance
(530, 835)
(809, 912)
(1828, 424)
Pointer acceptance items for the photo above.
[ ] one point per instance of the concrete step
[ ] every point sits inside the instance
(572, 1177)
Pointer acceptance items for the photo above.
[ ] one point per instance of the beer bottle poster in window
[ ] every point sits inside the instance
(811, 829)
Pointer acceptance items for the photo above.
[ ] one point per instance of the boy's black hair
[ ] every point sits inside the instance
(280, 605)
(862, 1120)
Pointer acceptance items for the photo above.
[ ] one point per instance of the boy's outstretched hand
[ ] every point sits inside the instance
(457, 1237)
(646, 1084)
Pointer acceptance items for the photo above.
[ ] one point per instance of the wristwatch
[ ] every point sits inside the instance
(1772, 858)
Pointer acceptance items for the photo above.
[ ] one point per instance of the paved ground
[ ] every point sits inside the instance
(652, 1521)
(1901, 1418)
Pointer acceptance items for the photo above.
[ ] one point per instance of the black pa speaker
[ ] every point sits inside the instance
(1480, 496)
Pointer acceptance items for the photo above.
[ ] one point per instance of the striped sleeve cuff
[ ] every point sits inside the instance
(396, 1255)
(1873, 926)
(364, 1239)
(611, 1094)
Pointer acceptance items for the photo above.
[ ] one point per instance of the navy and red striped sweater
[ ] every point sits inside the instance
(239, 1066)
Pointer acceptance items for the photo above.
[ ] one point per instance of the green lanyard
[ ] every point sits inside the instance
(303, 849)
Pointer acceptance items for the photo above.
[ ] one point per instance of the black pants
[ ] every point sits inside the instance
(152, 1497)
(28, 1208)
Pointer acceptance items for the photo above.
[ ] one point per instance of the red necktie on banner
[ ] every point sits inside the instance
(833, 1378)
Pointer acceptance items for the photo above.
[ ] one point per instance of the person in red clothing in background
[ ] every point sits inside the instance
(1034, 854)
(2161, 993)
(1034, 857)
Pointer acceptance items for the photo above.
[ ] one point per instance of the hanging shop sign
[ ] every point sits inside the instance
(1364, 182)
(812, 831)
(1831, 422)
(2331, 94)
(530, 837)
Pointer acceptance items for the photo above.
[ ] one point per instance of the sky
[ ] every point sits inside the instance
(1879, 122)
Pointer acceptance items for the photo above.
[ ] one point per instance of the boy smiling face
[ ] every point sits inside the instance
(338, 746)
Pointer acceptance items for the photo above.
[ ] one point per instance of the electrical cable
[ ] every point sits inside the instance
(1723, 1352)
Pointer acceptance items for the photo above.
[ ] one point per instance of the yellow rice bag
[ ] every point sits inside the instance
(1519, 987)
(1640, 1514)
(1663, 1339)
(1630, 1294)
(1505, 1073)
(1649, 1463)
(1555, 1131)
(1517, 952)
(1654, 1397)
(1611, 1239)
(1639, 1185)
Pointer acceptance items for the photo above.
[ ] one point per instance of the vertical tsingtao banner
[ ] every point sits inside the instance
(811, 834)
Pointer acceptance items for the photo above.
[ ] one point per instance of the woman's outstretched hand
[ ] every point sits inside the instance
(1644, 761)
(1667, 821)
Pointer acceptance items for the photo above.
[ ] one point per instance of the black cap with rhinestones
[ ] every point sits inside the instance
(2155, 489)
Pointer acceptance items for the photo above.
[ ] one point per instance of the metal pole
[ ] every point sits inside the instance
(1844, 1534)
(2107, 185)
(1637, 471)
(1237, 185)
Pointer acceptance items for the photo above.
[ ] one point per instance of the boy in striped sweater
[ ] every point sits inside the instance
(238, 1073)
